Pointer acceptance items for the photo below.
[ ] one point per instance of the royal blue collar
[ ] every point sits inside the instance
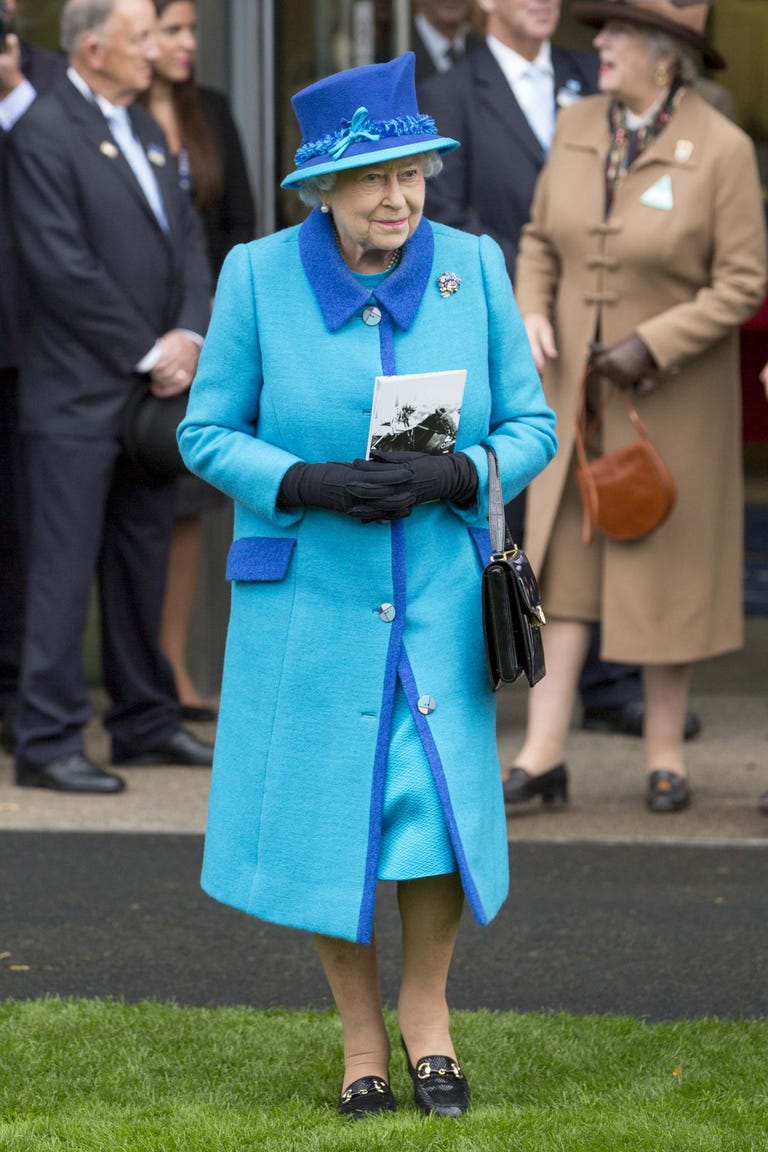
(341, 295)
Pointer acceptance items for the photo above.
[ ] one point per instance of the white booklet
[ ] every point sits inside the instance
(416, 413)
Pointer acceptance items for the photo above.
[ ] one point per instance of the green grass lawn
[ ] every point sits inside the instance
(95, 1076)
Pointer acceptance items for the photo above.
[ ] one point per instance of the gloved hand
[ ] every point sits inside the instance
(451, 476)
(627, 364)
(364, 489)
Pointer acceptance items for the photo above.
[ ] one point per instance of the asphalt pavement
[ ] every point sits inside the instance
(611, 909)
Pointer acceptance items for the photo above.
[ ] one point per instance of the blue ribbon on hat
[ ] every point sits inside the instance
(359, 129)
(362, 127)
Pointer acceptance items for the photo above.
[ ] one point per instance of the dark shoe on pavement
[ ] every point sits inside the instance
(628, 719)
(71, 773)
(667, 791)
(552, 786)
(198, 713)
(7, 733)
(763, 803)
(180, 748)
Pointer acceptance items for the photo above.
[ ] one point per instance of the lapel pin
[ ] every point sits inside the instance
(448, 283)
(683, 151)
(156, 155)
(570, 93)
(107, 148)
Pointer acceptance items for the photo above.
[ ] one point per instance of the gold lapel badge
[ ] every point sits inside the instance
(156, 156)
(683, 151)
(107, 148)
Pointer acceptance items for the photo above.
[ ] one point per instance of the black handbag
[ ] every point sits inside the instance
(512, 613)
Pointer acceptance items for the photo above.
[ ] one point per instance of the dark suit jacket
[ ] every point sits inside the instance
(42, 69)
(487, 184)
(231, 219)
(425, 65)
(105, 280)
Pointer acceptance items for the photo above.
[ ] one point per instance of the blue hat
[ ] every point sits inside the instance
(362, 116)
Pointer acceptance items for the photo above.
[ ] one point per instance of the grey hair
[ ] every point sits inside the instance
(80, 17)
(661, 46)
(313, 190)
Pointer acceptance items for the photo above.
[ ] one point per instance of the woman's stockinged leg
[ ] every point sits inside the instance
(430, 909)
(352, 972)
(550, 703)
(666, 704)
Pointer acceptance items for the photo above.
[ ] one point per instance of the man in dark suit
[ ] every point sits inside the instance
(486, 103)
(501, 103)
(441, 35)
(119, 287)
(24, 72)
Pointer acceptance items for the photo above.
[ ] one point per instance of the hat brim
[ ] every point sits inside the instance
(361, 155)
(595, 13)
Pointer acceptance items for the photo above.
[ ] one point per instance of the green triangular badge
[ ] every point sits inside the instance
(659, 195)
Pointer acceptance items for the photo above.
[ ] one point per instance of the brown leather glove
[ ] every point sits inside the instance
(627, 364)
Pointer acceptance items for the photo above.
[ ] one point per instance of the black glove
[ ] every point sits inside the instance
(365, 490)
(450, 476)
(628, 364)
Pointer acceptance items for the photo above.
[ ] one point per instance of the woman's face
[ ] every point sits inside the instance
(177, 42)
(626, 65)
(376, 209)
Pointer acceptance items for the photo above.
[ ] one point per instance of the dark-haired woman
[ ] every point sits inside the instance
(203, 138)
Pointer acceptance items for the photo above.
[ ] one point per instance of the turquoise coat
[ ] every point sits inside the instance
(312, 658)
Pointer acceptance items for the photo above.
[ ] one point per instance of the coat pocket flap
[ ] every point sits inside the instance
(259, 558)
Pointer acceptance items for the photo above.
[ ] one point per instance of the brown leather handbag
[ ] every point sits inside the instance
(625, 493)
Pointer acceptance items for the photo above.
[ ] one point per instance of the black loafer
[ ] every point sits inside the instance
(667, 791)
(181, 748)
(71, 773)
(198, 713)
(628, 720)
(7, 733)
(552, 786)
(440, 1087)
(368, 1096)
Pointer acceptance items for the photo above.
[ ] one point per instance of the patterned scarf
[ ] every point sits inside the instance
(627, 145)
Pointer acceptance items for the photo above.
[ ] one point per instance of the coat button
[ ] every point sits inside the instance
(387, 613)
(371, 315)
(425, 705)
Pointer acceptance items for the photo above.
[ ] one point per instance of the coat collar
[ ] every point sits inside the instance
(679, 144)
(341, 295)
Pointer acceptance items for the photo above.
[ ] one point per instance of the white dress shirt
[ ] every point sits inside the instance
(533, 85)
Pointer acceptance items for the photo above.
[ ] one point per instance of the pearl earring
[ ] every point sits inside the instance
(324, 208)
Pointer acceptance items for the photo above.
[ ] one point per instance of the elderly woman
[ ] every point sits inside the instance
(356, 739)
(646, 244)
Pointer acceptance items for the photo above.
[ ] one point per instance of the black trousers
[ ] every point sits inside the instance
(91, 515)
(11, 560)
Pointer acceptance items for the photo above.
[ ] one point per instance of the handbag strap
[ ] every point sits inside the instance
(501, 541)
(584, 433)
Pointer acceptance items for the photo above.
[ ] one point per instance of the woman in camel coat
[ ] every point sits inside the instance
(652, 244)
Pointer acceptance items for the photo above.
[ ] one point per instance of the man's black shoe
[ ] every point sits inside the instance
(628, 719)
(7, 733)
(180, 748)
(71, 773)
